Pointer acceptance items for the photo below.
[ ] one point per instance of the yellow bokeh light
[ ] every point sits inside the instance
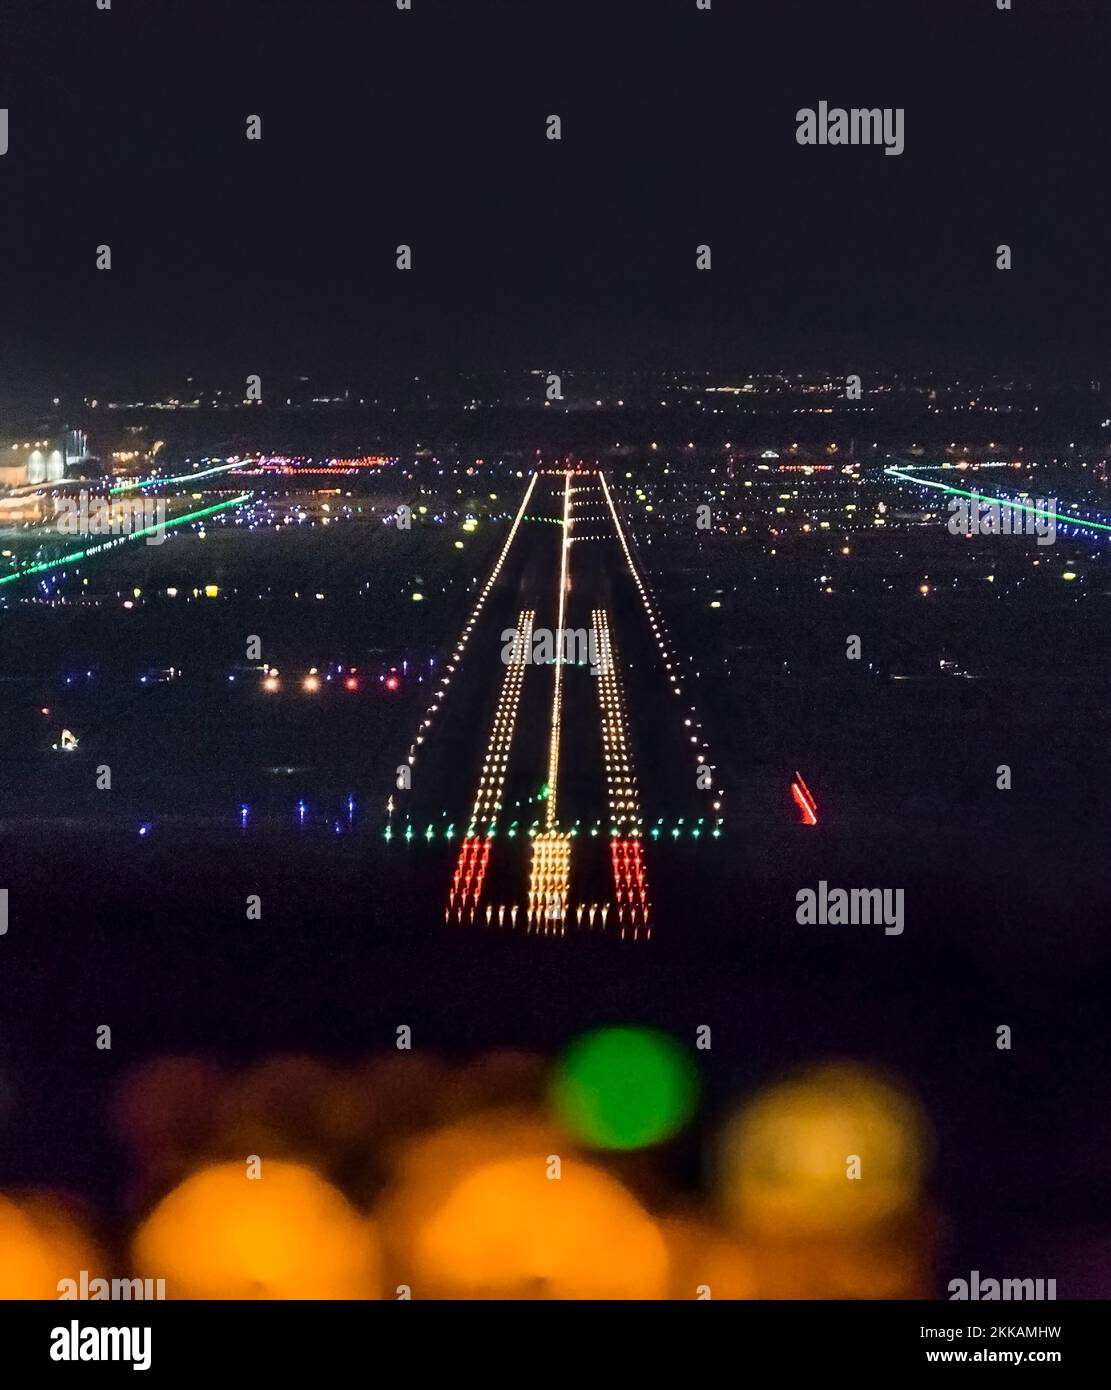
(787, 1160)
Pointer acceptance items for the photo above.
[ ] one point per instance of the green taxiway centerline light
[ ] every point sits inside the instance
(92, 550)
(1006, 501)
(624, 1088)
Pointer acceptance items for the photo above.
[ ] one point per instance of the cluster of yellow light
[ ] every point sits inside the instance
(621, 786)
(495, 764)
(464, 637)
(701, 749)
(557, 696)
(549, 883)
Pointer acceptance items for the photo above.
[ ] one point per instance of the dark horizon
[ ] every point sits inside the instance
(428, 128)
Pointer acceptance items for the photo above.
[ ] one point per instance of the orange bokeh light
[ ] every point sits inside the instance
(40, 1245)
(477, 1212)
(508, 1230)
(286, 1234)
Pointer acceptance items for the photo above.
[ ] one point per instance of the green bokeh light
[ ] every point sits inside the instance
(624, 1088)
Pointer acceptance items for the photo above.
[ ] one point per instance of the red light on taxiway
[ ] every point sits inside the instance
(392, 682)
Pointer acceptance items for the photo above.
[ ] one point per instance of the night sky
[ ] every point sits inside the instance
(428, 127)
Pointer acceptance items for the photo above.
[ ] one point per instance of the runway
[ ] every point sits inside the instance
(562, 686)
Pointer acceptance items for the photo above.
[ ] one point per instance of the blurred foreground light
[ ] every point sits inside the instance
(510, 1230)
(287, 1234)
(786, 1161)
(704, 1263)
(499, 1205)
(40, 1244)
(164, 1110)
(624, 1088)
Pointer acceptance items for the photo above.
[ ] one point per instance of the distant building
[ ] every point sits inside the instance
(34, 462)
